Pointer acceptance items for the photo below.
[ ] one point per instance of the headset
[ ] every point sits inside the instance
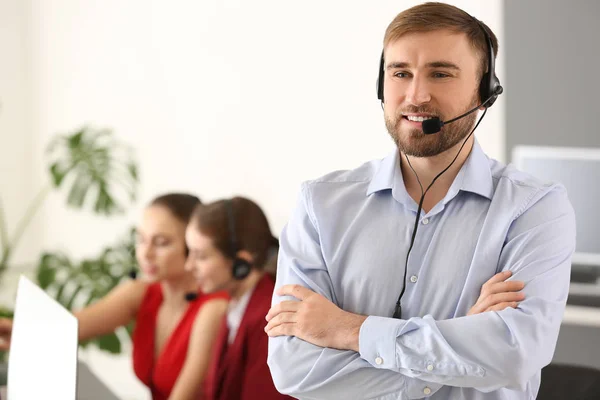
(489, 86)
(240, 268)
(489, 90)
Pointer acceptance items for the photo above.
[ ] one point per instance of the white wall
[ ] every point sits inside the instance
(218, 98)
(16, 188)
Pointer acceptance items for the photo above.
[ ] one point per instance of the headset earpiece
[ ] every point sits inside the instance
(241, 268)
(489, 87)
(380, 78)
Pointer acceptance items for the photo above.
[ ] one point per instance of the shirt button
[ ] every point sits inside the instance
(429, 367)
(379, 361)
(425, 221)
(427, 390)
(413, 279)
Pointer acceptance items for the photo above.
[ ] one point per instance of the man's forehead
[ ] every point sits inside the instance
(428, 48)
(438, 40)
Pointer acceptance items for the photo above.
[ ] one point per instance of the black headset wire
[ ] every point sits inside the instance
(398, 309)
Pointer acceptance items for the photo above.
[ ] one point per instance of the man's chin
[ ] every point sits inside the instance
(418, 145)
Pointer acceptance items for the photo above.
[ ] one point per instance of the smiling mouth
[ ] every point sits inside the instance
(415, 118)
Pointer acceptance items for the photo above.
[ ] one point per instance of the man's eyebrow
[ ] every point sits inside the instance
(433, 64)
(397, 64)
(443, 64)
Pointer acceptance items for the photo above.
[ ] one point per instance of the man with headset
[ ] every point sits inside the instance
(379, 266)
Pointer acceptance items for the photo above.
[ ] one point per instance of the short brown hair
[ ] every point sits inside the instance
(252, 230)
(435, 16)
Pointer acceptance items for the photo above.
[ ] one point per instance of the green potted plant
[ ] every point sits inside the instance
(99, 173)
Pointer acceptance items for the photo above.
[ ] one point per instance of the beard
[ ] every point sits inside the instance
(413, 142)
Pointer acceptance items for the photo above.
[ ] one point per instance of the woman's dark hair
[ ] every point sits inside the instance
(181, 205)
(252, 231)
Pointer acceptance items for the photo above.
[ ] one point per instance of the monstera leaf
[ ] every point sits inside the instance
(78, 284)
(91, 165)
(93, 168)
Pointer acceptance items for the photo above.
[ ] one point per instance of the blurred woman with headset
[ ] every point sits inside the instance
(231, 245)
(175, 326)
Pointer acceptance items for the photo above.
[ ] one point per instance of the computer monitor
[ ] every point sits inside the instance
(578, 169)
(42, 362)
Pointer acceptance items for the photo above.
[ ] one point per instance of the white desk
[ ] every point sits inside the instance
(580, 315)
(579, 337)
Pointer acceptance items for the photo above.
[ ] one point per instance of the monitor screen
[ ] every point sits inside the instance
(578, 169)
(43, 349)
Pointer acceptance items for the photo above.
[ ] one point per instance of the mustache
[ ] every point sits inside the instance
(419, 110)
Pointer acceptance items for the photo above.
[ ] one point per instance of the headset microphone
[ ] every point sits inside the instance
(191, 296)
(434, 125)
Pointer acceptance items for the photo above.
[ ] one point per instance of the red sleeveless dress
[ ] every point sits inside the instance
(161, 374)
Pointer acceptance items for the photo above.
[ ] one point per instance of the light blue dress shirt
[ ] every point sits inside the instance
(347, 240)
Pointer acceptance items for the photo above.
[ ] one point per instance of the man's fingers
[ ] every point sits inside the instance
(499, 277)
(502, 287)
(279, 319)
(476, 309)
(284, 306)
(502, 306)
(297, 291)
(501, 298)
(508, 286)
(282, 330)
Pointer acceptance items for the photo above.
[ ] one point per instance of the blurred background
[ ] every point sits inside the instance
(225, 97)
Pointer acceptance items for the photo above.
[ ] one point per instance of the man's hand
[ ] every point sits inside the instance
(5, 332)
(497, 294)
(313, 319)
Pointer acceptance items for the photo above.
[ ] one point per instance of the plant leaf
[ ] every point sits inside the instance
(83, 283)
(46, 275)
(94, 167)
(110, 343)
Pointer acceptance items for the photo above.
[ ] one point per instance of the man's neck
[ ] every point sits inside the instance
(427, 168)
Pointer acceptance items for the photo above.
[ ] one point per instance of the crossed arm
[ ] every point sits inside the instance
(320, 351)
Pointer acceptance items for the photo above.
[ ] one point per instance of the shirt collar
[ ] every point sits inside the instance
(475, 176)
(477, 173)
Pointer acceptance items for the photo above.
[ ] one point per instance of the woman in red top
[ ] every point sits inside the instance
(230, 243)
(174, 331)
(173, 336)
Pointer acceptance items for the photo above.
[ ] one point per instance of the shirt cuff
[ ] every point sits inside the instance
(377, 341)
